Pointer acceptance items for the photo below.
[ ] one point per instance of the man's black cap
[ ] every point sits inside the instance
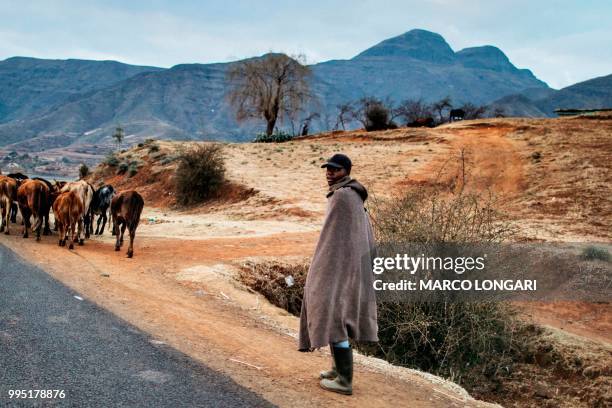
(339, 161)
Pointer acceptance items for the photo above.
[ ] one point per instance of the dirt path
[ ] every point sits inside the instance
(482, 157)
(216, 329)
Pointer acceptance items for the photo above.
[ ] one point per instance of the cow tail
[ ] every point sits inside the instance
(39, 206)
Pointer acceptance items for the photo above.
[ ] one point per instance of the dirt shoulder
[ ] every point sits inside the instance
(219, 329)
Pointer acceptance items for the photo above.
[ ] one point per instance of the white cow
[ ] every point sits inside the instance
(85, 192)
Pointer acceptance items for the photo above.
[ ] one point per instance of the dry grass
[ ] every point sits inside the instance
(282, 284)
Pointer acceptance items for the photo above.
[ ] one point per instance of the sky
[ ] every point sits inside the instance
(562, 42)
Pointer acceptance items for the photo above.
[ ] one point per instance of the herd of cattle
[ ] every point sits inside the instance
(75, 206)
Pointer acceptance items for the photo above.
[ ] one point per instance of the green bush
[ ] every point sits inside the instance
(153, 147)
(168, 160)
(278, 136)
(111, 160)
(132, 169)
(158, 156)
(591, 253)
(123, 168)
(200, 174)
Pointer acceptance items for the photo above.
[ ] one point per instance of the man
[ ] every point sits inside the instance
(339, 300)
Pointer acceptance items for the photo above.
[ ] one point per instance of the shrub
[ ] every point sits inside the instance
(158, 156)
(133, 169)
(168, 160)
(446, 338)
(111, 160)
(270, 279)
(591, 253)
(200, 174)
(83, 171)
(123, 168)
(377, 117)
(278, 136)
(154, 147)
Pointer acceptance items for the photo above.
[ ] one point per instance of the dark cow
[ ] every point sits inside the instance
(8, 196)
(456, 114)
(67, 209)
(20, 178)
(53, 193)
(33, 199)
(422, 122)
(99, 206)
(125, 212)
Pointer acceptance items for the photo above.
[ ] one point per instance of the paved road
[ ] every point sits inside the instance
(51, 340)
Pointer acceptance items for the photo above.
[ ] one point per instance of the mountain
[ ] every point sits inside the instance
(594, 93)
(31, 86)
(59, 103)
(420, 64)
(418, 44)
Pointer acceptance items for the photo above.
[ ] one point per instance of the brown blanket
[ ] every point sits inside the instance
(339, 299)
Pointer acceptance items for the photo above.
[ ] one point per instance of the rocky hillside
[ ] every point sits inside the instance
(595, 93)
(32, 86)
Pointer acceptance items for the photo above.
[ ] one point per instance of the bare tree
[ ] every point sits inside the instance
(440, 106)
(119, 135)
(362, 107)
(269, 87)
(305, 127)
(473, 112)
(412, 110)
(345, 113)
(499, 112)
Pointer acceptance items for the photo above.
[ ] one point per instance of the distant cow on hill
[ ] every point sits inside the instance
(8, 197)
(85, 192)
(99, 206)
(33, 199)
(456, 114)
(422, 122)
(68, 210)
(125, 212)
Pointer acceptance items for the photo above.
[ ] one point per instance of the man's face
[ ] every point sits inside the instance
(333, 174)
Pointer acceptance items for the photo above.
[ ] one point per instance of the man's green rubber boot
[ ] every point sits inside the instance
(330, 374)
(343, 383)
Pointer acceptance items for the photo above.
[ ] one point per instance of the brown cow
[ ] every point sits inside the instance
(85, 191)
(33, 199)
(422, 122)
(8, 195)
(67, 209)
(125, 211)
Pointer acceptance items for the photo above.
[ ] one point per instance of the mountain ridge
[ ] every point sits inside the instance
(187, 101)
